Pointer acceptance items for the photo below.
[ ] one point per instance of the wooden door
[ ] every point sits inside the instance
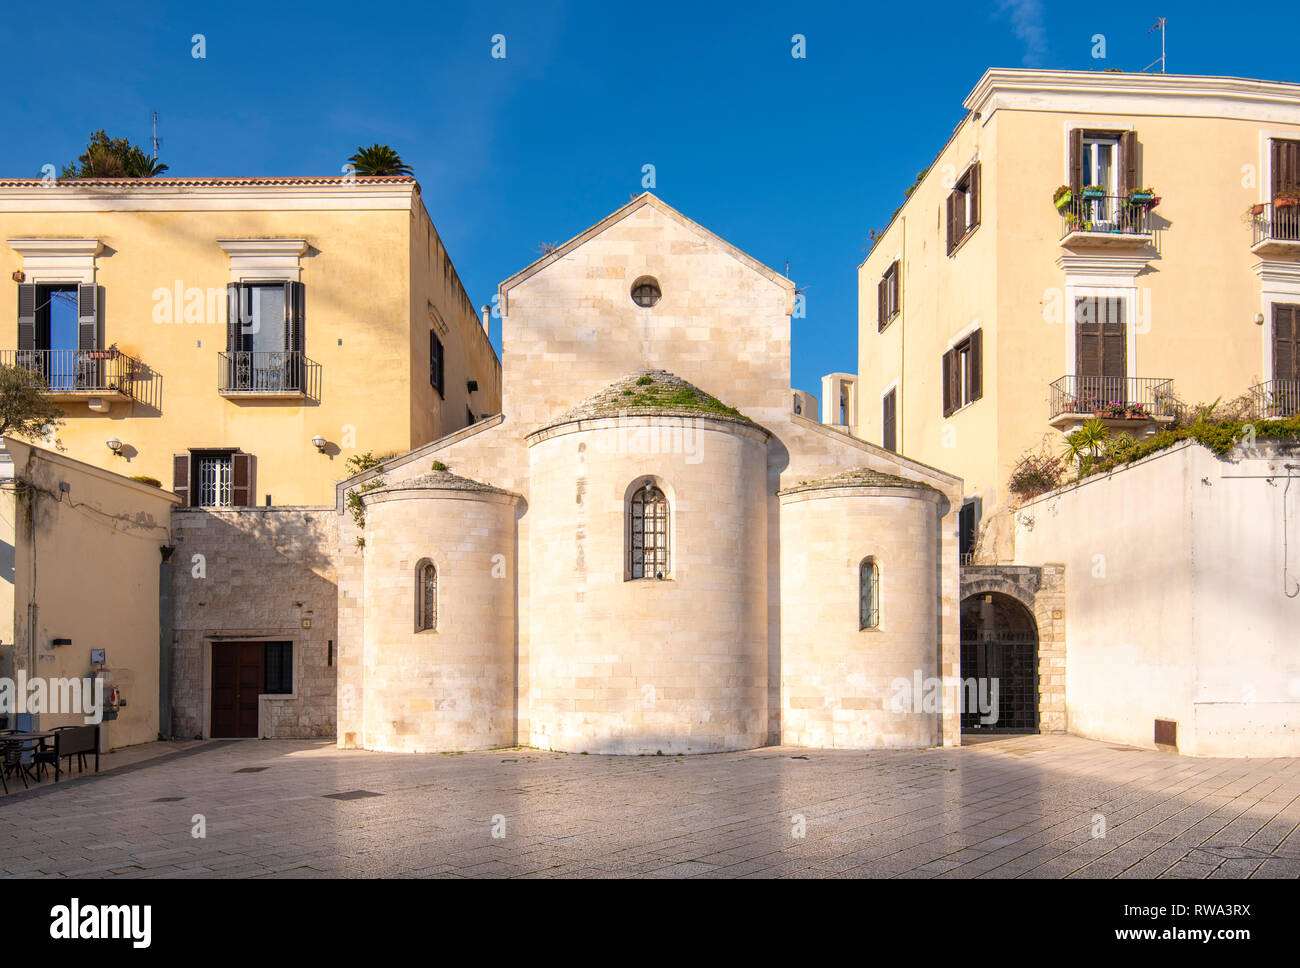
(237, 675)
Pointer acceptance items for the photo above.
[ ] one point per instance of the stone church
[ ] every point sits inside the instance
(648, 550)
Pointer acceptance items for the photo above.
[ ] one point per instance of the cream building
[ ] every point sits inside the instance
(237, 339)
(648, 550)
(992, 321)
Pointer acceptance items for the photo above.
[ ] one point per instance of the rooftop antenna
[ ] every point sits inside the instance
(1160, 26)
(156, 142)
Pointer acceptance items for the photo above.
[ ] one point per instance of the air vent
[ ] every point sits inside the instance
(1167, 733)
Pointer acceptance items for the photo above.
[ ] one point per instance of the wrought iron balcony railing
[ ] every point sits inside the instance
(268, 373)
(1274, 224)
(1107, 214)
(1114, 397)
(80, 372)
(1275, 400)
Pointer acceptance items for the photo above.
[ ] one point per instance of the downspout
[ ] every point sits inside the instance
(165, 642)
(906, 286)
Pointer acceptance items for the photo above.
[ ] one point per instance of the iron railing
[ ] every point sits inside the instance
(1112, 214)
(1116, 397)
(79, 371)
(267, 372)
(1275, 224)
(1275, 399)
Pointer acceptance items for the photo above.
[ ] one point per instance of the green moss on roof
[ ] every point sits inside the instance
(653, 392)
(856, 477)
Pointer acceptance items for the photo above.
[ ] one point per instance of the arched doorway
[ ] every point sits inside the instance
(999, 644)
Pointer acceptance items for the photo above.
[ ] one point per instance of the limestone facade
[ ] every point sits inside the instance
(626, 351)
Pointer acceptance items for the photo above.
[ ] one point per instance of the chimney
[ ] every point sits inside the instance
(487, 315)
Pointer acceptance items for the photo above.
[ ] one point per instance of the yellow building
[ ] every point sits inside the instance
(996, 314)
(238, 339)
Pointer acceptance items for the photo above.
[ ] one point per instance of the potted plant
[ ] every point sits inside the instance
(1136, 411)
(1257, 208)
(1287, 197)
(1142, 196)
(1094, 191)
(1062, 197)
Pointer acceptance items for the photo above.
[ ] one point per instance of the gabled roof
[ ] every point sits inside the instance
(636, 204)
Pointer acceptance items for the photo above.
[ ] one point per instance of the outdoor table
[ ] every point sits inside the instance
(39, 735)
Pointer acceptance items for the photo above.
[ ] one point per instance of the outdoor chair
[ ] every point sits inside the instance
(11, 751)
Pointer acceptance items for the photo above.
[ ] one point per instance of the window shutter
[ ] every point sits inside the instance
(234, 313)
(87, 317)
(889, 417)
(27, 316)
(1114, 340)
(952, 235)
(1087, 354)
(295, 299)
(1286, 165)
(948, 388)
(1286, 342)
(181, 478)
(898, 287)
(974, 194)
(1076, 160)
(882, 312)
(241, 481)
(975, 378)
(1128, 149)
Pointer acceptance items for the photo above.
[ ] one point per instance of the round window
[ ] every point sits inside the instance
(645, 291)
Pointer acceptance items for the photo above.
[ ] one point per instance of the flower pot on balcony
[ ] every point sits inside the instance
(1062, 199)
(1257, 209)
(1286, 201)
(1094, 191)
(1141, 198)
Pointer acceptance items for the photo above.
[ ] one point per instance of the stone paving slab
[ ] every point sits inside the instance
(1020, 806)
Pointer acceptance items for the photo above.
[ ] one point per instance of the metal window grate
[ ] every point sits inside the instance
(868, 595)
(278, 668)
(215, 482)
(649, 544)
(428, 597)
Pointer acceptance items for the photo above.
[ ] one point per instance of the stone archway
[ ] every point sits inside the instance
(999, 655)
(1041, 591)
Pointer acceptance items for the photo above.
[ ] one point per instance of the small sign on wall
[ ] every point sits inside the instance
(97, 657)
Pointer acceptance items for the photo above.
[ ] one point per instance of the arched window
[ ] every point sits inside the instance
(426, 597)
(648, 533)
(868, 594)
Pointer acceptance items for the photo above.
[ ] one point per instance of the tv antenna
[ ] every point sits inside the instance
(1160, 26)
(156, 142)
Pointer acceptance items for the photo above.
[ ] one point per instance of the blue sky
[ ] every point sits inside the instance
(789, 159)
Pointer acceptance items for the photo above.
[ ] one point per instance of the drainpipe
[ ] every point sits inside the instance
(165, 642)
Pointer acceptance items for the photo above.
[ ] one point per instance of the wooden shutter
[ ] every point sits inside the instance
(1114, 339)
(1087, 344)
(87, 317)
(898, 286)
(27, 316)
(295, 299)
(882, 304)
(975, 358)
(1286, 165)
(1286, 342)
(181, 478)
(889, 436)
(234, 316)
(949, 384)
(974, 191)
(952, 221)
(1128, 160)
(1076, 160)
(241, 481)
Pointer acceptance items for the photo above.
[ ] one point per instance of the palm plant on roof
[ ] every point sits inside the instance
(379, 160)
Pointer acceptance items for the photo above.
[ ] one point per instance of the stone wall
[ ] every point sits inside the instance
(255, 574)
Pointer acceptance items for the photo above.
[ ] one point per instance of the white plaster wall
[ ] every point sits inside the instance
(673, 666)
(837, 679)
(452, 688)
(1174, 601)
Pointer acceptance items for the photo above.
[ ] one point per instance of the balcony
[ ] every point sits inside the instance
(267, 375)
(1134, 405)
(1105, 222)
(1276, 231)
(1275, 400)
(97, 378)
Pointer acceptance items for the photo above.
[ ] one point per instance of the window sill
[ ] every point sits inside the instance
(963, 407)
(656, 581)
(881, 329)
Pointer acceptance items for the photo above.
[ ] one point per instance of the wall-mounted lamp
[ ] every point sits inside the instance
(319, 442)
(1259, 319)
(114, 445)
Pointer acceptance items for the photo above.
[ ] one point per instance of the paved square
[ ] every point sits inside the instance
(1021, 806)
